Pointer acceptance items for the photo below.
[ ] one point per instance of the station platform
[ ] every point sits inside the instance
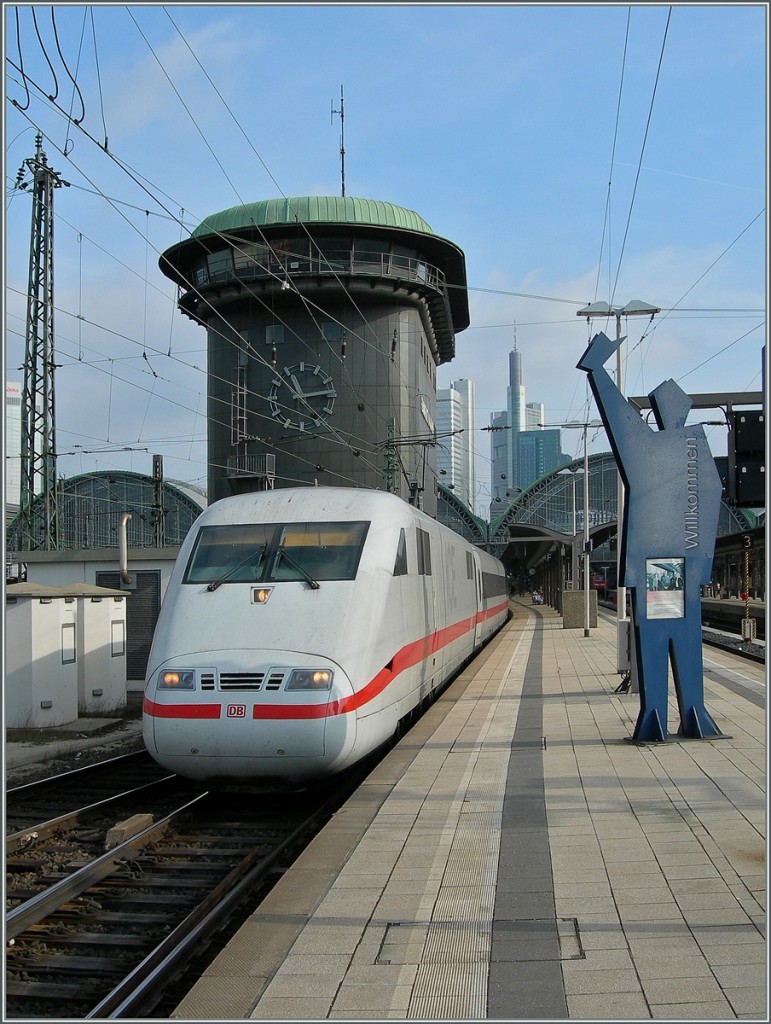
(515, 857)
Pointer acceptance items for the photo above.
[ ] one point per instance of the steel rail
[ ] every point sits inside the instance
(34, 910)
(42, 784)
(128, 998)
(18, 840)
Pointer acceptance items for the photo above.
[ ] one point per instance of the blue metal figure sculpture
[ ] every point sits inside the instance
(671, 509)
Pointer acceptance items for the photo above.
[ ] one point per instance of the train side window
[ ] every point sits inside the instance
(493, 585)
(469, 566)
(424, 553)
(400, 565)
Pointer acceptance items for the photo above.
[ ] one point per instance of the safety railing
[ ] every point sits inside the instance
(345, 262)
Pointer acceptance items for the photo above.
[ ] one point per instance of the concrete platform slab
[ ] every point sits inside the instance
(516, 857)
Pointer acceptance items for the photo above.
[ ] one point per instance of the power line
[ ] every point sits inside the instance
(642, 153)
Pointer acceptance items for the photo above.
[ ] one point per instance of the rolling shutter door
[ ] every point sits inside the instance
(142, 608)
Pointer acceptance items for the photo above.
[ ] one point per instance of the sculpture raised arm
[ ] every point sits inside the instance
(622, 421)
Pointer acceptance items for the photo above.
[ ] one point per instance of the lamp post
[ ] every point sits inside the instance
(635, 307)
(573, 473)
(585, 427)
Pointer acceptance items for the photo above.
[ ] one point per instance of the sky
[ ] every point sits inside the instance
(575, 152)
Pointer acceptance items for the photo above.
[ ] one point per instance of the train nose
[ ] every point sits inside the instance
(282, 719)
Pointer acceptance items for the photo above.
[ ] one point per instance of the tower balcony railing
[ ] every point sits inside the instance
(225, 267)
(262, 466)
(237, 267)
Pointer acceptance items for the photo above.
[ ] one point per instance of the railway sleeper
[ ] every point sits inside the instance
(143, 918)
(96, 939)
(140, 899)
(115, 966)
(44, 990)
(20, 864)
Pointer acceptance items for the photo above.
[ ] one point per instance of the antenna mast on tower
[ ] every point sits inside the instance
(341, 112)
(38, 432)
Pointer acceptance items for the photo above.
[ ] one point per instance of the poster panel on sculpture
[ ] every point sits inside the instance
(665, 588)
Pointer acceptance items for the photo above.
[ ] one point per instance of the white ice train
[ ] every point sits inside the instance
(302, 625)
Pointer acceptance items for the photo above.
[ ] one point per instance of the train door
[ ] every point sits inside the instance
(478, 617)
(427, 598)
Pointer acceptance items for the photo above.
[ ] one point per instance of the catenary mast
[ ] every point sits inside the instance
(38, 439)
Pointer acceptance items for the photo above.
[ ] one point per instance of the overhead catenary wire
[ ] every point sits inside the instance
(99, 78)
(132, 271)
(225, 237)
(112, 367)
(606, 225)
(311, 239)
(642, 154)
(361, 451)
(185, 106)
(45, 52)
(652, 327)
(470, 288)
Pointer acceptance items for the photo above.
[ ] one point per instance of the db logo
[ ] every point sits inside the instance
(236, 711)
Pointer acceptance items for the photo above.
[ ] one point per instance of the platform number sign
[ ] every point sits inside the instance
(236, 711)
(746, 541)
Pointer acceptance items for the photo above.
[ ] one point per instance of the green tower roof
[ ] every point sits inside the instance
(268, 218)
(313, 209)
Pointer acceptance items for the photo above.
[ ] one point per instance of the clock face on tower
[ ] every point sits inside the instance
(302, 396)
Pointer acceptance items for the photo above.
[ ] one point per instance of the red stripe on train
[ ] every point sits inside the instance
(409, 655)
(149, 707)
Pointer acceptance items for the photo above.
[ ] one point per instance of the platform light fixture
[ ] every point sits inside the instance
(573, 474)
(635, 307)
(587, 546)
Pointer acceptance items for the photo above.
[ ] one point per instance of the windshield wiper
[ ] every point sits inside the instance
(221, 579)
(313, 584)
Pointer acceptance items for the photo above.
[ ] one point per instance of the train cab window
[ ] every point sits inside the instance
(424, 553)
(324, 551)
(400, 565)
(229, 554)
(469, 566)
(276, 552)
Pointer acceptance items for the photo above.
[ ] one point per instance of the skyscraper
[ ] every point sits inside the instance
(12, 447)
(521, 451)
(516, 410)
(455, 444)
(534, 415)
(499, 455)
(540, 451)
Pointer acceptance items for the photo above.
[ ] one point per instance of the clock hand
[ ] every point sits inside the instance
(314, 394)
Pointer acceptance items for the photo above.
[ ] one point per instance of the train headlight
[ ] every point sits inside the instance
(179, 679)
(310, 679)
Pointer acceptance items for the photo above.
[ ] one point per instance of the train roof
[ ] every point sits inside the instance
(304, 503)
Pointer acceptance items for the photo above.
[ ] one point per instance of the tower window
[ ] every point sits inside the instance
(332, 332)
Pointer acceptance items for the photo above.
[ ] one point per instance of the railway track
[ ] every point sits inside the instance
(723, 639)
(94, 933)
(36, 802)
(733, 644)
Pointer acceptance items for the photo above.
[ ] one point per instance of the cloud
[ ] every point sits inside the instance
(138, 95)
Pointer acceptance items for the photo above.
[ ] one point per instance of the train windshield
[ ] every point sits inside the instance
(272, 553)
